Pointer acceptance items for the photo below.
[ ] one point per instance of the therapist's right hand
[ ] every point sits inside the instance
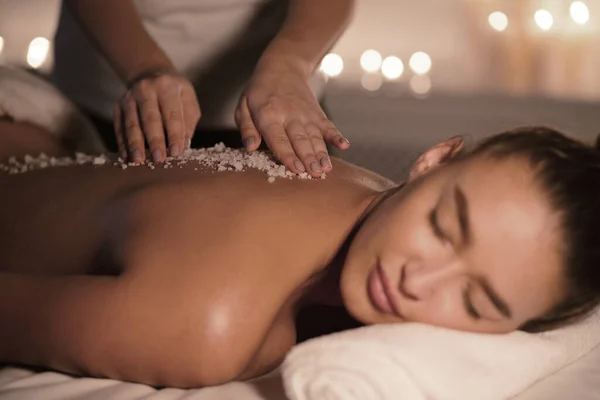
(161, 110)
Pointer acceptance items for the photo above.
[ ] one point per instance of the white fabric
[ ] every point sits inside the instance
(27, 98)
(22, 384)
(578, 381)
(484, 368)
(215, 43)
(419, 362)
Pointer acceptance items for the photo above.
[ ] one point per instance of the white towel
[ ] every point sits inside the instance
(417, 362)
(27, 98)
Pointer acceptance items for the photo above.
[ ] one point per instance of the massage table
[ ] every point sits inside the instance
(579, 381)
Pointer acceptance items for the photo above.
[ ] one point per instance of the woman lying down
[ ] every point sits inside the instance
(188, 277)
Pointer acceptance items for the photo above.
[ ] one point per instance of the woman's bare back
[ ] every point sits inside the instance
(55, 220)
(203, 244)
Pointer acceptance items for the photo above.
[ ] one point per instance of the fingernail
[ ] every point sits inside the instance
(314, 166)
(123, 155)
(136, 155)
(248, 142)
(343, 140)
(156, 155)
(325, 163)
(174, 150)
(299, 166)
(188, 143)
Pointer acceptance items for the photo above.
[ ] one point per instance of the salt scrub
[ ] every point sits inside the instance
(218, 157)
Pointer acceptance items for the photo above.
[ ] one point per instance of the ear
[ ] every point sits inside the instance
(435, 156)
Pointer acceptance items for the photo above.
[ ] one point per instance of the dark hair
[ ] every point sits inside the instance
(569, 171)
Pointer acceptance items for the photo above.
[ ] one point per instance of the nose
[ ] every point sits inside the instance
(420, 279)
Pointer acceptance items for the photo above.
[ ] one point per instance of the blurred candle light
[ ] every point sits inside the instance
(37, 52)
(420, 85)
(420, 63)
(371, 82)
(332, 65)
(544, 19)
(580, 12)
(392, 67)
(498, 20)
(370, 61)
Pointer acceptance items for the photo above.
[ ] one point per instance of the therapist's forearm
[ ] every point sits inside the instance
(116, 29)
(311, 29)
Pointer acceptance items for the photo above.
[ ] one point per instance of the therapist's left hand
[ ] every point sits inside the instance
(280, 107)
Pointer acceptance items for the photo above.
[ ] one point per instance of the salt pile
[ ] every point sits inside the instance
(219, 157)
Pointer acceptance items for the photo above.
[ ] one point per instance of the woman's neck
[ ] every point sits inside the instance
(323, 286)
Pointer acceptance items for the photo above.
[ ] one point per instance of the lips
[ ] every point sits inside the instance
(380, 293)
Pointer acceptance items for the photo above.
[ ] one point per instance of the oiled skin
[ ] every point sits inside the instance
(175, 277)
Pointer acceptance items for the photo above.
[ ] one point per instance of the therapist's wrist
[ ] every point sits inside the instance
(150, 74)
(281, 60)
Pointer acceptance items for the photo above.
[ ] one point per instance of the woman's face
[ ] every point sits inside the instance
(471, 245)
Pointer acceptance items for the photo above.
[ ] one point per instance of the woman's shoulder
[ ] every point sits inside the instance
(346, 171)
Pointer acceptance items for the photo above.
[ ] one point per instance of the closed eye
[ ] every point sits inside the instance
(469, 305)
(435, 226)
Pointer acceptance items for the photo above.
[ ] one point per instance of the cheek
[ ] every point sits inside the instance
(404, 230)
(353, 282)
(403, 218)
(447, 310)
(440, 309)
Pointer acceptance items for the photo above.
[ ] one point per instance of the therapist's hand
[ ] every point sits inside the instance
(160, 109)
(279, 107)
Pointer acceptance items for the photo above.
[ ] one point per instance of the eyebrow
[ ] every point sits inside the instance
(462, 214)
(496, 300)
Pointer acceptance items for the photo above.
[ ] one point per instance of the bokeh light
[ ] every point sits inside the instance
(332, 64)
(37, 52)
(544, 19)
(392, 67)
(498, 20)
(420, 63)
(580, 13)
(371, 82)
(370, 61)
(420, 85)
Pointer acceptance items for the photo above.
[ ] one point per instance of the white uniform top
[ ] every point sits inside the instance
(215, 43)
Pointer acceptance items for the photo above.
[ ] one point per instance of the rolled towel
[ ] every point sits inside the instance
(417, 362)
(25, 97)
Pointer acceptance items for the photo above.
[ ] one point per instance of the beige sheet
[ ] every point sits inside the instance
(22, 384)
(580, 381)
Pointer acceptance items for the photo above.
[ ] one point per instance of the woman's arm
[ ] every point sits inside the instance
(200, 302)
(116, 29)
(111, 327)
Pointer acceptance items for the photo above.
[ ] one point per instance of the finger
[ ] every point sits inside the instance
(119, 134)
(318, 144)
(303, 147)
(151, 119)
(191, 114)
(332, 135)
(276, 138)
(250, 136)
(133, 130)
(171, 107)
